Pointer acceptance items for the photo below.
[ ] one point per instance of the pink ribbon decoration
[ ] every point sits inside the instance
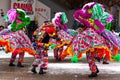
(12, 15)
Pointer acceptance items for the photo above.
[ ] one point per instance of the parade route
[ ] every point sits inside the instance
(57, 70)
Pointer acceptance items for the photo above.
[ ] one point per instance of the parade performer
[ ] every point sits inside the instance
(94, 41)
(13, 38)
(64, 34)
(41, 38)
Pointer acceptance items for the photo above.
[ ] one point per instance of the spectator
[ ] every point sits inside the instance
(1, 27)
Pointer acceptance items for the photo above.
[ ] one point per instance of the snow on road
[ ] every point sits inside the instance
(83, 68)
(8, 55)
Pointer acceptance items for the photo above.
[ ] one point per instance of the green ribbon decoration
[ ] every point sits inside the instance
(99, 14)
(64, 18)
(97, 11)
(90, 10)
(25, 21)
(6, 17)
(21, 13)
(104, 18)
(108, 26)
(96, 27)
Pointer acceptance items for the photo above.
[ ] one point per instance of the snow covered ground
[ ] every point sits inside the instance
(8, 55)
(83, 68)
(67, 67)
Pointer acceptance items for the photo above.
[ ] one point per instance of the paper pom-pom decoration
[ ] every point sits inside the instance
(50, 30)
(74, 59)
(117, 57)
(18, 19)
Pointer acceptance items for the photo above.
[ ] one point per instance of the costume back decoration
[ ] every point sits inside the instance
(18, 19)
(95, 41)
(60, 20)
(64, 34)
(13, 37)
(93, 15)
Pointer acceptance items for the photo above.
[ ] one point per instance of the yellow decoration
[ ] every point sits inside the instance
(90, 11)
(64, 43)
(46, 45)
(93, 50)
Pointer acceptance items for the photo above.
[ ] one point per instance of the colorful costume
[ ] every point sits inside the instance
(41, 38)
(64, 34)
(14, 38)
(94, 41)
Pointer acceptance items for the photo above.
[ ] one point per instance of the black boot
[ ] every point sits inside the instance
(11, 64)
(97, 70)
(41, 71)
(105, 62)
(34, 69)
(92, 75)
(19, 64)
(98, 59)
